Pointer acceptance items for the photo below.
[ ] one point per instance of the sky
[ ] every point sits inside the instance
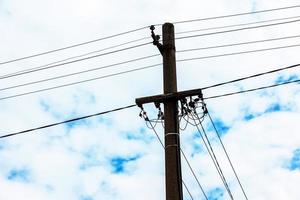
(116, 156)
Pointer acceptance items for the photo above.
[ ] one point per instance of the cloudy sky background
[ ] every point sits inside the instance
(115, 156)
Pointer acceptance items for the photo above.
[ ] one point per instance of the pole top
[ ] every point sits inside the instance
(168, 24)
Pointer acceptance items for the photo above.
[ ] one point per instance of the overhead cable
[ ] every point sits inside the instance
(238, 29)
(66, 59)
(69, 62)
(142, 68)
(79, 82)
(235, 25)
(251, 90)
(237, 44)
(237, 53)
(186, 159)
(211, 153)
(205, 98)
(237, 14)
(72, 46)
(76, 73)
(227, 155)
(65, 122)
(251, 76)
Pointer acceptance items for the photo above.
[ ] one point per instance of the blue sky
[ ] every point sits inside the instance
(115, 156)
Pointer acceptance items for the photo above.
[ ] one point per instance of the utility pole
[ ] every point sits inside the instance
(172, 143)
(173, 176)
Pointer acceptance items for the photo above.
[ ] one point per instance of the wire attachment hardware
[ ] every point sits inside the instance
(156, 39)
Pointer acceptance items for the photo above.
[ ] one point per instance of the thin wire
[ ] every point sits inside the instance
(227, 155)
(65, 122)
(79, 82)
(238, 29)
(70, 62)
(72, 46)
(153, 128)
(238, 14)
(235, 25)
(190, 167)
(151, 66)
(160, 141)
(187, 189)
(70, 58)
(237, 44)
(76, 73)
(193, 172)
(251, 76)
(180, 51)
(237, 53)
(134, 30)
(212, 156)
(252, 90)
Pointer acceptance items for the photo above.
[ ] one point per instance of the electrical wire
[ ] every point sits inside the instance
(238, 53)
(187, 189)
(76, 73)
(66, 59)
(180, 51)
(190, 167)
(79, 82)
(237, 14)
(212, 154)
(227, 155)
(147, 67)
(238, 44)
(251, 76)
(193, 172)
(160, 141)
(236, 25)
(252, 90)
(72, 46)
(70, 62)
(65, 122)
(138, 29)
(238, 29)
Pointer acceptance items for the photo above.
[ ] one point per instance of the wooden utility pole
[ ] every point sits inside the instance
(170, 100)
(172, 143)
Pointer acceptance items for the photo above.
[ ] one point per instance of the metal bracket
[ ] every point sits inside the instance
(156, 39)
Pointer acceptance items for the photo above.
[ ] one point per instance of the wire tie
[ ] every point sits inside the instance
(171, 134)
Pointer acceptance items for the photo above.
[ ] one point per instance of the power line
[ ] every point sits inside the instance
(180, 51)
(227, 155)
(72, 46)
(70, 62)
(188, 191)
(238, 29)
(65, 122)
(194, 174)
(76, 73)
(211, 97)
(252, 90)
(79, 82)
(251, 76)
(237, 53)
(235, 25)
(142, 68)
(211, 153)
(138, 29)
(237, 44)
(238, 14)
(66, 59)
(146, 118)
